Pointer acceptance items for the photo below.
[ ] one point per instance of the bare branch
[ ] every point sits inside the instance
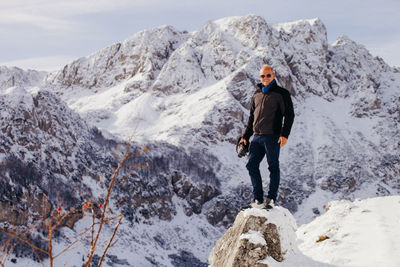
(92, 229)
(110, 241)
(66, 249)
(61, 216)
(105, 205)
(7, 249)
(25, 241)
(37, 255)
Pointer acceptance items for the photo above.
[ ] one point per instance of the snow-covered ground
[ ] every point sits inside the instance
(363, 233)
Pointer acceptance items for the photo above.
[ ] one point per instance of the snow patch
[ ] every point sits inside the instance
(254, 237)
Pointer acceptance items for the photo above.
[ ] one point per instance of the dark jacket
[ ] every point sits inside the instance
(267, 111)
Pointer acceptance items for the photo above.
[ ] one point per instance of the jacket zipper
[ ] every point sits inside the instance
(261, 109)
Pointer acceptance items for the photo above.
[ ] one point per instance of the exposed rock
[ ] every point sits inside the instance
(186, 259)
(256, 235)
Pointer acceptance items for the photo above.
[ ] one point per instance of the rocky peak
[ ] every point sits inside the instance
(14, 76)
(348, 51)
(252, 31)
(312, 29)
(138, 58)
(358, 74)
(211, 54)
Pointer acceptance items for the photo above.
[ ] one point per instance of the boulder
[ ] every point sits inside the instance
(256, 237)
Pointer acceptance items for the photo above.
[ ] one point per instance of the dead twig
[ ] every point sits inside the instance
(110, 241)
(105, 205)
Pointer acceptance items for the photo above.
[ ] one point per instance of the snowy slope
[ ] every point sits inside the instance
(360, 233)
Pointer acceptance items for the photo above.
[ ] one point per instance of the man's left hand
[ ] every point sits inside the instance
(282, 140)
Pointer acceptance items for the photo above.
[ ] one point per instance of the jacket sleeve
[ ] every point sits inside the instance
(249, 129)
(288, 115)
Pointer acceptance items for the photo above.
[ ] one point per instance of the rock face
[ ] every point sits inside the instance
(254, 237)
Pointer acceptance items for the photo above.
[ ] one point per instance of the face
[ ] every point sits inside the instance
(266, 76)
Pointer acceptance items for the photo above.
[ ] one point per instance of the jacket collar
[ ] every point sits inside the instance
(273, 84)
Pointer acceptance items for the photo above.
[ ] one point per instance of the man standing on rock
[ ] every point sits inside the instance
(269, 105)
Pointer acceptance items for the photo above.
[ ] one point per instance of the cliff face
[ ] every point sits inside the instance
(186, 96)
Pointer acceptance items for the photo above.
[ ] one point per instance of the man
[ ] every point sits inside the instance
(269, 105)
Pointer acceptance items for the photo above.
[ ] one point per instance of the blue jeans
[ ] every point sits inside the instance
(261, 145)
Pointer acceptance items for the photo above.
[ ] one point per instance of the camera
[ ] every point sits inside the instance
(241, 148)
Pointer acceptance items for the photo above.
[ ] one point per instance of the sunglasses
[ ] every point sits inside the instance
(268, 76)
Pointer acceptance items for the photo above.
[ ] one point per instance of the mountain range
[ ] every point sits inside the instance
(185, 96)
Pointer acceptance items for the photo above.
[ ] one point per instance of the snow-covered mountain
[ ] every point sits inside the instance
(193, 90)
(186, 96)
(14, 76)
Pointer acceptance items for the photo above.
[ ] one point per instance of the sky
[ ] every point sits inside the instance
(47, 34)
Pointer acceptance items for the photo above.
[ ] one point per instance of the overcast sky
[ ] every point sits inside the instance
(46, 34)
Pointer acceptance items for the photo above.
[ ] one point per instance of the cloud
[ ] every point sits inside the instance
(50, 14)
(47, 23)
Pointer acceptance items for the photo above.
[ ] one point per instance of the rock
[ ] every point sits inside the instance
(256, 235)
(186, 259)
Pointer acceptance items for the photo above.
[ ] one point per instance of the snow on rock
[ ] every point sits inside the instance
(10, 77)
(260, 238)
(360, 233)
(138, 59)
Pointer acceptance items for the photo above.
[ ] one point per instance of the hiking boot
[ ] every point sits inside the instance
(253, 204)
(268, 204)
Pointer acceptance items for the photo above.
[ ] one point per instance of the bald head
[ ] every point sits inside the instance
(266, 67)
(267, 75)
